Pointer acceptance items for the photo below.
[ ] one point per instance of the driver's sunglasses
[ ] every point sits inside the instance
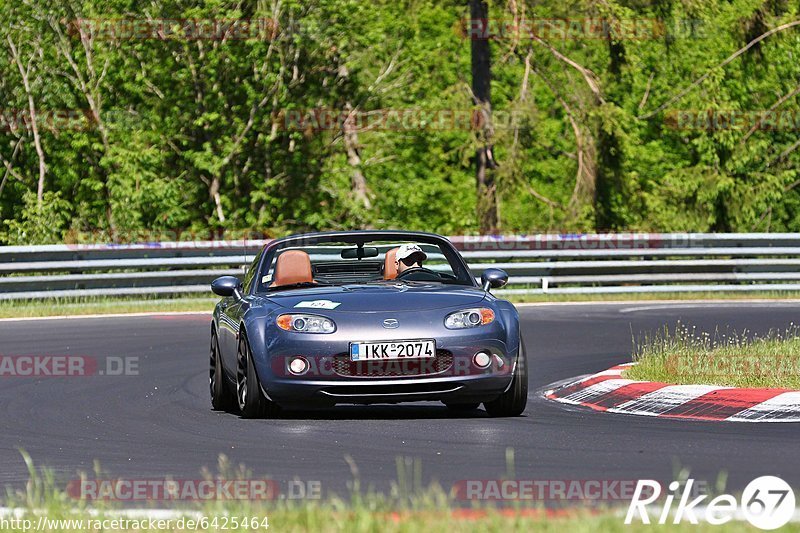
(408, 261)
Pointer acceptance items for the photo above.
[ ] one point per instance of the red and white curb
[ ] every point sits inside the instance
(609, 391)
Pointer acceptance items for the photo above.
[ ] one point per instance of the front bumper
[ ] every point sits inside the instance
(450, 390)
(459, 381)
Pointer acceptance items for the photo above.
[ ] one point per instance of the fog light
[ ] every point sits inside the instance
(482, 359)
(298, 366)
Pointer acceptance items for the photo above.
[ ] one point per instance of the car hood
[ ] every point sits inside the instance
(378, 298)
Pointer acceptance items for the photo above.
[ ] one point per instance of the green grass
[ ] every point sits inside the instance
(360, 518)
(92, 306)
(405, 508)
(636, 297)
(123, 305)
(684, 355)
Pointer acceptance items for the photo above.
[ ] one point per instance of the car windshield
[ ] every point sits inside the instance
(310, 264)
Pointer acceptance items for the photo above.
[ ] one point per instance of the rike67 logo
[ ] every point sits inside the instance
(767, 502)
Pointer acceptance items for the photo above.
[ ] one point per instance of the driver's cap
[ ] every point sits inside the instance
(407, 250)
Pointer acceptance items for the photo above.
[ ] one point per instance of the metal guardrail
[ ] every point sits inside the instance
(537, 264)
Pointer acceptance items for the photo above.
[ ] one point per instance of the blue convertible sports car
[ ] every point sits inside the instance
(364, 317)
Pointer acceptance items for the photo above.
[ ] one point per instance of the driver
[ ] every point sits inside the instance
(409, 257)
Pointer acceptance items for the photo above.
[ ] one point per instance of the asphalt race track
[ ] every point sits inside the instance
(159, 423)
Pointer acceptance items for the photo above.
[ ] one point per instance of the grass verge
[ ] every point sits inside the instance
(97, 305)
(122, 305)
(43, 506)
(360, 518)
(637, 297)
(683, 355)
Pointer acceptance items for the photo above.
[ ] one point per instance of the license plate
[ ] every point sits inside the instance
(382, 351)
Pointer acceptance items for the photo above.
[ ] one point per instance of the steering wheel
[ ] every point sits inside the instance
(419, 274)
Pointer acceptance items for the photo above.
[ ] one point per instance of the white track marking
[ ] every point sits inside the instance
(609, 372)
(703, 305)
(668, 303)
(593, 391)
(774, 409)
(662, 400)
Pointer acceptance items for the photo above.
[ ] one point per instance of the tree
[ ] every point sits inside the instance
(486, 190)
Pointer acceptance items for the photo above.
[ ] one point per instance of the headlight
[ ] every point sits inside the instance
(306, 324)
(469, 318)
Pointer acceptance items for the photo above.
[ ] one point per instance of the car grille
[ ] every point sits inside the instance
(343, 366)
(354, 392)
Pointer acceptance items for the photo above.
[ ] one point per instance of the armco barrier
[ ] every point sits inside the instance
(548, 263)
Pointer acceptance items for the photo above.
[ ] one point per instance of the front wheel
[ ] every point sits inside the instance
(251, 400)
(221, 397)
(513, 401)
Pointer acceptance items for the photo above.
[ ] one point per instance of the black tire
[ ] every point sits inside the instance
(251, 401)
(461, 407)
(513, 401)
(222, 398)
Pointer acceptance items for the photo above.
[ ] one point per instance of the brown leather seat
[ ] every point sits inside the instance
(389, 265)
(293, 266)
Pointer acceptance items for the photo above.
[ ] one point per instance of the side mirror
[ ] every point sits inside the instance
(493, 278)
(226, 286)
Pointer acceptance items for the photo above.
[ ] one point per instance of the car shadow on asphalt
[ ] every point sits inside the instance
(382, 412)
